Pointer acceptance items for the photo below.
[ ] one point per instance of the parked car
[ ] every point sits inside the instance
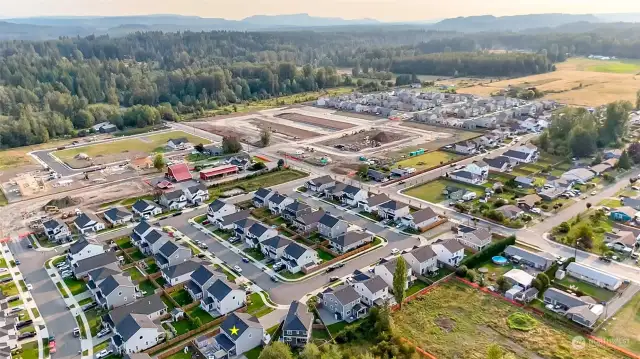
(605, 259)
(24, 323)
(103, 353)
(29, 286)
(245, 259)
(274, 279)
(76, 332)
(334, 279)
(26, 335)
(237, 269)
(104, 332)
(395, 251)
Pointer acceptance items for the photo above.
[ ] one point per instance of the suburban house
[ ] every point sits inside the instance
(421, 220)
(582, 310)
(522, 154)
(393, 210)
(241, 227)
(181, 143)
(151, 306)
(457, 193)
(113, 291)
(475, 173)
(593, 276)
(83, 249)
(278, 202)
(274, 247)
(309, 221)
(151, 241)
(223, 297)
(630, 202)
(320, 184)
(297, 256)
(218, 209)
(370, 205)
(261, 196)
(179, 273)
(297, 325)
(498, 164)
(350, 241)
(519, 278)
(344, 303)
(372, 290)
(352, 195)
(227, 222)
(422, 260)
(174, 200)
(510, 211)
(56, 230)
(84, 266)
(601, 168)
(201, 279)
(474, 238)
(118, 216)
(241, 163)
(171, 254)
(387, 267)
(136, 333)
(377, 175)
(621, 241)
(196, 194)
(524, 181)
(239, 333)
(88, 223)
(579, 175)
(623, 214)
(258, 233)
(465, 147)
(529, 201)
(330, 226)
(449, 252)
(295, 209)
(538, 260)
(614, 153)
(146, 208)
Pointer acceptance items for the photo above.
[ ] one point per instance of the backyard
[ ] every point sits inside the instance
(147, 288)
(181, 297)
(432, 191)
(457, 321)
(624, 331)
(251, 184)
(201, 314)
(428, 160)
(597, 293)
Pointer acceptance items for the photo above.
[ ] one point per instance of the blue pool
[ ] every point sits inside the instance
(499, 260)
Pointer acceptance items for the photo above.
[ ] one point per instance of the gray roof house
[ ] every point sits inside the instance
(498, 164)
(174, 200)
(295, 209)
(344, 303)
(475, 238)
(200, 281)
(330, 226)
(373, 291)
(136, 333)
(144, 207)
(114, 291)
(582, 310)
(117, 216)
(171, 254)
(308, 221)
(274, 246)
(84, 266)
(393, 210)
(180, 272)
(373, 202)
(56, 230)
(152, 306)
(593, 276)
(227, 222)
(223, 297)
(350, 241)
(88, 222)
(239, 333)
(320, 184)
(422, 260)
(421, 219)
(296, 327)
(538, 260)
(259, 232)
(261, 196)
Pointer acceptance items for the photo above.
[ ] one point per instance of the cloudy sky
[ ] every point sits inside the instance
(385, 10)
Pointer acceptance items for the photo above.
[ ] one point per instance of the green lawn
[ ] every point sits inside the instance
(124, 242)
(336, 328)
(29, 351)
(180, 354)
(152, 267)
(167, 302)
(616, 67)
(99, 347)
(94, 318)
(135, 274)
(254, 353)
(35, 313)
(3, 263)
(598, 229)
(147, 287)
(417, 286)
(146, 144)
(222, 234)
(198, 312)
(428, 160)
(137, 255)
(200, 219)
(611, 203)
(254, 253)
(181, 297)
(76, 286)
(60, 288)
(278, 221)
(432, 191)
(325, 256)
(252, 184)
(625, 329)
(597, 293)
(161, 281)
(183, 326)
(290, 275)
(9, 289)
(257, 306)
(85, 301)
(16, 303)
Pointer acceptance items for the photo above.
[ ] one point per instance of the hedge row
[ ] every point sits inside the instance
(484, 255)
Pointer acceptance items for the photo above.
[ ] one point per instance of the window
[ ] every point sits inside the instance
(288, 332)
(119, 293)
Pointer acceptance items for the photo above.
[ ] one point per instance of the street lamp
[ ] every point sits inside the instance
(575, 247)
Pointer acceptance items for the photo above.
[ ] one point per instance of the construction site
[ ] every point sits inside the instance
(357, 141)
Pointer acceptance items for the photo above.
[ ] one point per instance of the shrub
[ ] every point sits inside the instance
(521, 321)
(462, 271)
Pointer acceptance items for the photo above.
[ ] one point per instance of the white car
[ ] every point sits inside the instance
(593, 193)
(395, 251)
(237, 269)
(29, 286)
(103, 353)
(536, 210)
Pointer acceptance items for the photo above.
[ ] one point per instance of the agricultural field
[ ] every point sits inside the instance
(109, 152)
(457, 321)
(428, 160)
(578, 81)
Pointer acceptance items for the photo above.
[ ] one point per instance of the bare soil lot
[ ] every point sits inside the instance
(457, 135)
(316, 121)
(364, 139)
(362, 116)
(284, 129)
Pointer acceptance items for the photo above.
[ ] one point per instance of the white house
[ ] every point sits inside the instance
(370, 205)
(239, 333)
(261, 196)
(297, 256)
(579, 175)
(196, 194)
(373, 290)
(274, 247)
(449, 252)
(145, 208)
(223, 297)
(421, 219)
(422, 260)
(278, 202)
(320, 184)
(498, 164)
(83, 249)
(87, 223)
(228, 222)
(178, 143)
(522, 154)
(474, 238)
(475, 173)
(56, 230)
(387, 268)
(218, 209)
(174, 200)
(393, 210)
(593, 276)
(136, 333)
(118, 216)
(258, 233)
(350, 241)
(465, 147)
(179, 273)
(352, 195)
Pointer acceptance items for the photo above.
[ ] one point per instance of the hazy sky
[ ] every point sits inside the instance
(385, 10)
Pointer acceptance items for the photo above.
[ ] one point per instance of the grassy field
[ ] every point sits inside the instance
(428, 160)
(610, 202)
(598, 228)
(252, 184)
(597, 293)
(432, 191)
(456, 321)
(147, 144)
(17, 157)
(624, 331)
(579, 81)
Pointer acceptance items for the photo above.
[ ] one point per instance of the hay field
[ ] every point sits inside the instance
(578, 81)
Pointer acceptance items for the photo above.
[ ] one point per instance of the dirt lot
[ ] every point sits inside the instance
(290, 131)
(456, 136)
(316, 121)
(577, 81)
(366, 139)
(224, 131)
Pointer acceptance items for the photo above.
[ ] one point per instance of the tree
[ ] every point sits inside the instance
(462, 271)
(310, 351)
(258, 166)
(363, 169)
(638, 100)
(276, 350)
(564, 227)
(312, 303)
(265, 137)
(544, 280)
(231, 144)
(624, 161)
(582, 142)
(597, 159)
(158, 162)
(503, 284)
(197, 322)
(280, 163)
(400, 280)
(199, 147)
(634, 152)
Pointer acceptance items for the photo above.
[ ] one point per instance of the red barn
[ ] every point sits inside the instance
(179, 172)
(223, 170)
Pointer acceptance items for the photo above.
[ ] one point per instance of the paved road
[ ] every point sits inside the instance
(59, 320)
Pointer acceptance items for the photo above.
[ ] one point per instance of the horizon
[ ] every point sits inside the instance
(380, 10)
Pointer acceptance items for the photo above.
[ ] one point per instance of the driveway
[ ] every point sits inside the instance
(59, 320)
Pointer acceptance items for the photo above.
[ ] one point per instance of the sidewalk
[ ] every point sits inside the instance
(86, 345)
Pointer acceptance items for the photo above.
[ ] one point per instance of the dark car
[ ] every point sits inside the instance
(24, 323)
(26, 335)
(177, 214)
(334, 279)
(89, 306)
(245, 259)
(330, 269)
(274, 279)
(605, 259)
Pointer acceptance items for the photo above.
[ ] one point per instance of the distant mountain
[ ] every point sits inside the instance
(627, 17)
(303, 20)
(510, 23)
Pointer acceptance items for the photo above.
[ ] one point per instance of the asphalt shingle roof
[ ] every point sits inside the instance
(350, 238)
(147, 305)
(298, 317)
(319, 181)
(216, 205)
(181, 269)
(143, 205)
(53, 223)
(295, 250)
(329, 220)
(112, 282)
(345, 294)
(393, 205)
(78, 246)
(423, 215)
(95, 262)
(423, 254)
(132, 323)
(221, 288)
(263, 192)
(277, 242)
(168, 249)
(173, 195)
(116, 213)
(234, 217)
(377, 200)
(241, 321)
(375, 284)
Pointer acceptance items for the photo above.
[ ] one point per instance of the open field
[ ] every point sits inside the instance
(109, 152)
(16, 157)
(432, 191)
(428, 160)
(624, 328)
(365, 139)
(316, 121)
(578, 81)
(457, 321)
(284, 129)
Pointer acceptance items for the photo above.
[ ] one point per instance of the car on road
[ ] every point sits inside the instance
(593, 193)
(26, 335)
(52, 347)
(333, 279)
(29, 245)
(330, 269)
(237, 268)
(29, 286)
(18, 262)
(605, 259)
(274, 279)
(245, 259)
(76, 332)
(395, 251)
(203, 245)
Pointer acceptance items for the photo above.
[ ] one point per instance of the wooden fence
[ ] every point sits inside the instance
(338, 258)
(185, 336)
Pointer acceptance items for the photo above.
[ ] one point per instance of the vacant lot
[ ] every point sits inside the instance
(625, 329)
(284, 129)
(428, 160)
(109, 152)
(457, 321)
(432, 191)
(579, 81)
(316, 121)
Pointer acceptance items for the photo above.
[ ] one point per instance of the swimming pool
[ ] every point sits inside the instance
(499, 260)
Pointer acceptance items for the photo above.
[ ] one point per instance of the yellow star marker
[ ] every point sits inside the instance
(234, 330)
